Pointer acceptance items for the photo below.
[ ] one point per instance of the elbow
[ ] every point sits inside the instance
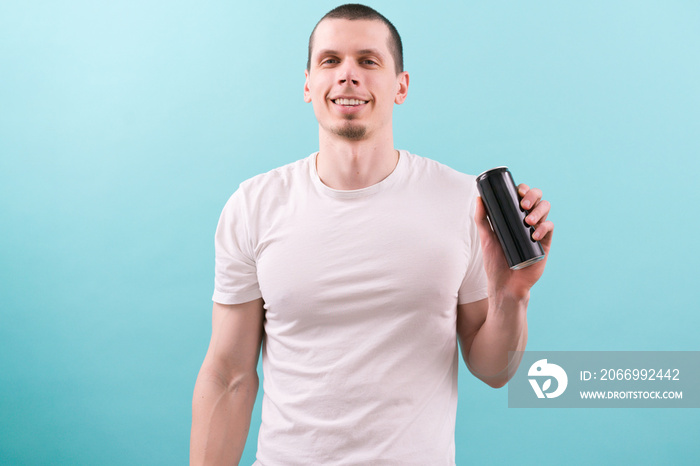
(232, 381)
(241, 383)
(498, 380)
(247, 382)
(496, 383)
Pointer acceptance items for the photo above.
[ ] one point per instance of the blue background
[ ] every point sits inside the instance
(125, 126)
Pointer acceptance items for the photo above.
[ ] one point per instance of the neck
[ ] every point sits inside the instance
(348, 165)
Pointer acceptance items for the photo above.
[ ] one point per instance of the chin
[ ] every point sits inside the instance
(351, 132)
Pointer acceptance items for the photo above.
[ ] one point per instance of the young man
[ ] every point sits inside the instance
(357, 269)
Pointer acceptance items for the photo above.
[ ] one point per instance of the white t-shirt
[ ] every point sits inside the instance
(360, 289)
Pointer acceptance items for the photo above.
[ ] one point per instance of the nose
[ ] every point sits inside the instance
(347, 73)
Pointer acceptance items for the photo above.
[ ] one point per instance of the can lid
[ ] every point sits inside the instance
(487, 172)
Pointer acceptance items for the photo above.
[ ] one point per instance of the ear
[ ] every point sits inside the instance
(307, 91)
(402, 87)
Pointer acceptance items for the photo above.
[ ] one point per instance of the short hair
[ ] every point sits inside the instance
(353, 11)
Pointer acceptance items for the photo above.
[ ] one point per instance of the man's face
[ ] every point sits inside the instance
(352, 82)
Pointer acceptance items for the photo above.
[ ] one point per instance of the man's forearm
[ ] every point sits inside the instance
(221, 418)
(503, 331)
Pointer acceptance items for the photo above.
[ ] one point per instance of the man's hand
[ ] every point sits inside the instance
(515, 283)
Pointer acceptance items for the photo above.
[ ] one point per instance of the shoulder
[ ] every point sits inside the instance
(279, 179)
(440, 176)
(276, 184)
(270, 188)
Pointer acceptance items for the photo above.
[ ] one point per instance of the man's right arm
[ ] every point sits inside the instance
(227, 384)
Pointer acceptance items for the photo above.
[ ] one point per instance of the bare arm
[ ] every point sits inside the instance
(490, 328)
(486, 335)
(227, 385)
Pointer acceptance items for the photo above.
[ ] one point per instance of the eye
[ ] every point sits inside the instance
(368, 61)
(329, 61)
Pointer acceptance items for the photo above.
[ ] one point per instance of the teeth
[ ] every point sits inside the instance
(349, 101)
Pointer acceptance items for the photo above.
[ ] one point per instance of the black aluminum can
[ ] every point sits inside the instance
(500, 197)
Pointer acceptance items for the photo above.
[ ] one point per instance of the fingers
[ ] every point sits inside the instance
(530, 197)
(542, 230)
(539, 213)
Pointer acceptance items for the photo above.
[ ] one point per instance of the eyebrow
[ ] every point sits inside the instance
(359, 52)
(370, 52)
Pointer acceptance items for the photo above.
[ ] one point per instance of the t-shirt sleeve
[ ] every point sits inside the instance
(235, 278)
(475, 284)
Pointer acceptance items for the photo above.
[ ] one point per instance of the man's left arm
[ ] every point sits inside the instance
(490, 328)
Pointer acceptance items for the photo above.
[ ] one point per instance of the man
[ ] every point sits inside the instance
(357, 269)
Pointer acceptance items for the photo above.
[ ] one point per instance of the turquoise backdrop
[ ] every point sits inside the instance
(125, 126)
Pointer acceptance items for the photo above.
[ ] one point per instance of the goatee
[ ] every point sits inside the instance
(352, 132)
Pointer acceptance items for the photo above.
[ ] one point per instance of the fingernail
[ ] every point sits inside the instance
(536, 235)
(526, 204)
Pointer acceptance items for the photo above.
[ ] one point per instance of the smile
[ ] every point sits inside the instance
(349, 102)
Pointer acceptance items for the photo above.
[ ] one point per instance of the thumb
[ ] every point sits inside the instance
(482, 222)
(487, 236)
(490, 247)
